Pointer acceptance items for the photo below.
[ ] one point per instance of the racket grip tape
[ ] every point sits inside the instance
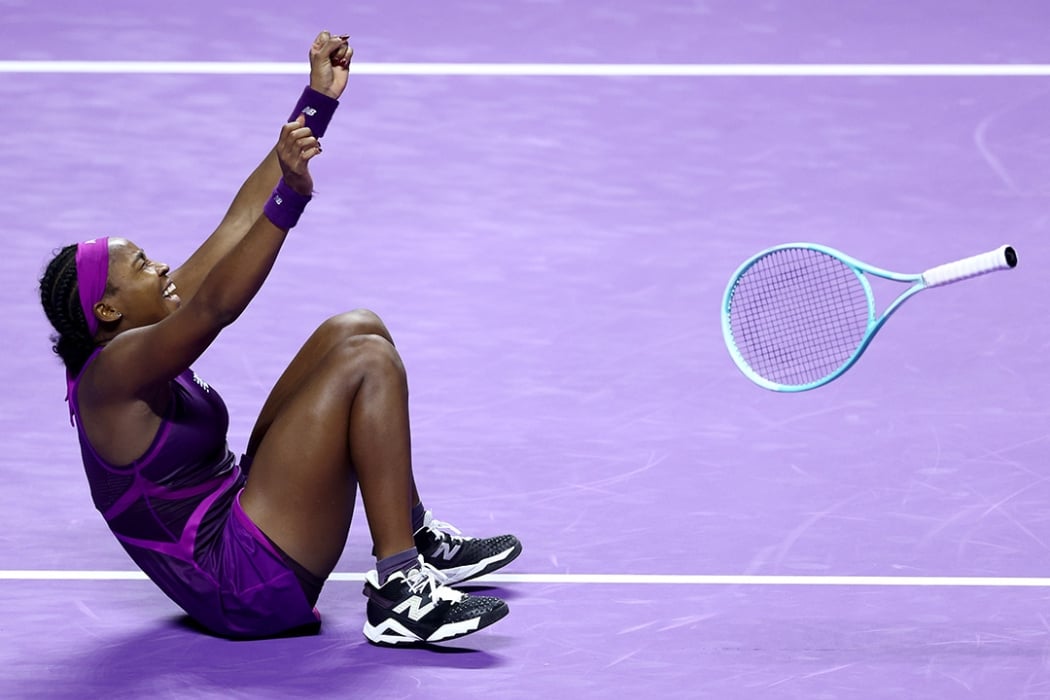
(1002, 258)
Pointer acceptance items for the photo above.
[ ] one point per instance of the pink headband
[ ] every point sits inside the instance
(92, 271)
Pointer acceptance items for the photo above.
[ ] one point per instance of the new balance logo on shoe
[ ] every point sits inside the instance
(415, 607)
(461, 558)
(447, 551)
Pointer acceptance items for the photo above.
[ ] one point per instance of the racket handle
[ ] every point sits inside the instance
(1000, 259)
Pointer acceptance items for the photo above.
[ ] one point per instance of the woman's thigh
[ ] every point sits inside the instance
(328, 336)
(301, 485)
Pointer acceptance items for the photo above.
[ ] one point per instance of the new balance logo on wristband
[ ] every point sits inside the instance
(285, 217)
(318, 109)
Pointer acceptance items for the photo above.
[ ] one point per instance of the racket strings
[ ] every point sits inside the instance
(798, 315)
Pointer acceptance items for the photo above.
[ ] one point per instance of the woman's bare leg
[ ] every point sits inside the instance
(329, 334)
(338, 417)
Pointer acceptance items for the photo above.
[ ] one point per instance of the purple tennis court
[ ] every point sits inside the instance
(549, 250)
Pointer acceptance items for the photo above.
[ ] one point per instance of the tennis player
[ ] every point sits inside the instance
(245, 546)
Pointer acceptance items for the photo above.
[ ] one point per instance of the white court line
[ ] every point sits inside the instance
(545, 69)
(618, 579)
(584, 70)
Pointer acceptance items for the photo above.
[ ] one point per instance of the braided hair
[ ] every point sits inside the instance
(60, 297)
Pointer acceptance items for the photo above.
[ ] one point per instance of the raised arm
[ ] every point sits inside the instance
(329, 70)
(150, 345)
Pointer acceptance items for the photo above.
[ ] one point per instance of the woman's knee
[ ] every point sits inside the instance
(355, 323)
(368, 355)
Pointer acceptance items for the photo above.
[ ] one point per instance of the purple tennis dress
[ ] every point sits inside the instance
(176, 511)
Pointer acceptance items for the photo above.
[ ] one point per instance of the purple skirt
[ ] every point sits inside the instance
(259, 594)
(241, 586)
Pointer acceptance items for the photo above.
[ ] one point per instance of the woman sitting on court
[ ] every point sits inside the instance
(245, 548)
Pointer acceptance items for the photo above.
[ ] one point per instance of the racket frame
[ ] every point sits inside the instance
(861, 270)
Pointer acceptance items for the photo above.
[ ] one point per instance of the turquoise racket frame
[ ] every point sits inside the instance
(874, 324)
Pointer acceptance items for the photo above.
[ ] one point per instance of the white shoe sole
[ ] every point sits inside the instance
(459, 574)
(393, 632)
(390, 632)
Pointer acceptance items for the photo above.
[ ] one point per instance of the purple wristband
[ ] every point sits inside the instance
(318, 109)
(285, 206)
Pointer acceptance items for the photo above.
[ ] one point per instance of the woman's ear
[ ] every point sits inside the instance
(106, 313)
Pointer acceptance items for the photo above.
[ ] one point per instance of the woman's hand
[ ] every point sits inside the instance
(295, 147)
(330, 58)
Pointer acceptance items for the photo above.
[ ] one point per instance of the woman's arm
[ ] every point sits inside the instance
(125, 391)
(139, 362)
(329, 70)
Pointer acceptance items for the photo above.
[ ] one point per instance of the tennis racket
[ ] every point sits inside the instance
(797, 316)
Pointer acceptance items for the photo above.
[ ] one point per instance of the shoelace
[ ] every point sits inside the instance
(445, 529)
(428, 581)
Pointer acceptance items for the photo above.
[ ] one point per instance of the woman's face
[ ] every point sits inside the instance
(143, 294)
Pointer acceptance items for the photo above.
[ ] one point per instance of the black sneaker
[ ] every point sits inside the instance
(415, 607)
(462, 558)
